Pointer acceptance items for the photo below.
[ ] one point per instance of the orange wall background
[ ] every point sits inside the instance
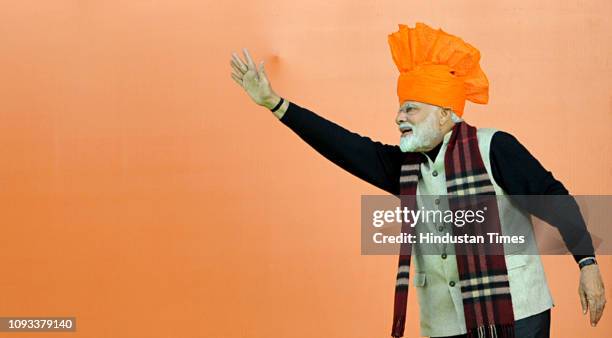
(144, 193)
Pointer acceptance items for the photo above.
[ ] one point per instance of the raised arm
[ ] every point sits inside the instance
(374, 162)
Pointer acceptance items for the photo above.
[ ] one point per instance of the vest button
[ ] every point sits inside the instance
(452, 283)
(434, 173)
(440, 228)
(437, 201)
(444, 255)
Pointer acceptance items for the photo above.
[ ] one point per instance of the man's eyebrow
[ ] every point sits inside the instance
(408, 105)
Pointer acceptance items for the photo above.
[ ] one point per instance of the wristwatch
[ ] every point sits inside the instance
(586, 261)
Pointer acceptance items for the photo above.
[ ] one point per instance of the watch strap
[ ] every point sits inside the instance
(586, 261)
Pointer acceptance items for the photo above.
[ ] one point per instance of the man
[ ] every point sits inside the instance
(440, 154)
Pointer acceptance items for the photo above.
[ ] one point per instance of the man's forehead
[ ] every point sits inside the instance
(413, 104)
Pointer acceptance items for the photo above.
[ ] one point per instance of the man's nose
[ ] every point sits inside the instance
(401, 117)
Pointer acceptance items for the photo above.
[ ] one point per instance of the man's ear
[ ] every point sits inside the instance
(445, 115)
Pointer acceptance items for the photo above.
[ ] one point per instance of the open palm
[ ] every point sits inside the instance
(253, 80)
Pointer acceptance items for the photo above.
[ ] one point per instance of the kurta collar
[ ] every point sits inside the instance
(443, 147)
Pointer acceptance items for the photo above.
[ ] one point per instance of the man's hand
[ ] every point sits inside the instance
(253, 80)
(592, 293)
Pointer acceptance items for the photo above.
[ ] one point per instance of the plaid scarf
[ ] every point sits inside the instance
(485, 289)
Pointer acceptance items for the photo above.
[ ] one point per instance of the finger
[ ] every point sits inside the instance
(249, 60)
(599, 311)
(240, 76)
(583, 302)
(592, 311)
(239, 62)
(236, 68)
(238, 81)
(262, 72)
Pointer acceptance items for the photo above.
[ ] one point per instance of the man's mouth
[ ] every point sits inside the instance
(406, 131)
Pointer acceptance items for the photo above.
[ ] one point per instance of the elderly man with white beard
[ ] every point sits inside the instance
(424, 135)
(430, 160)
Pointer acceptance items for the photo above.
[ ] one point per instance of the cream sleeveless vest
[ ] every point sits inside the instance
(435, 276)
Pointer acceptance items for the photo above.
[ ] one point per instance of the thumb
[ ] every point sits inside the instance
(262, 72)
(583, 302)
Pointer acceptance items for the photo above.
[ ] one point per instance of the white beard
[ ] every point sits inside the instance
(423, 135)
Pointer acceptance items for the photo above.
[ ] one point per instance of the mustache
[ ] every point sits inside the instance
(406, 126)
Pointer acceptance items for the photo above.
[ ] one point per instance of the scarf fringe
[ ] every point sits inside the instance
(398, 326)
(492, 331)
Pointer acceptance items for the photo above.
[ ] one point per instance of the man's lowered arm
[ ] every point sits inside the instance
(520, 174)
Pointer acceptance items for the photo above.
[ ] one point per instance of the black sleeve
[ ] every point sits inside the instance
(374, 162)
(519, 173)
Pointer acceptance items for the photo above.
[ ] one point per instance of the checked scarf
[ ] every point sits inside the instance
(483, 278)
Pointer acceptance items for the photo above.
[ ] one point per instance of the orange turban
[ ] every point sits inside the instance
(437, 68)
